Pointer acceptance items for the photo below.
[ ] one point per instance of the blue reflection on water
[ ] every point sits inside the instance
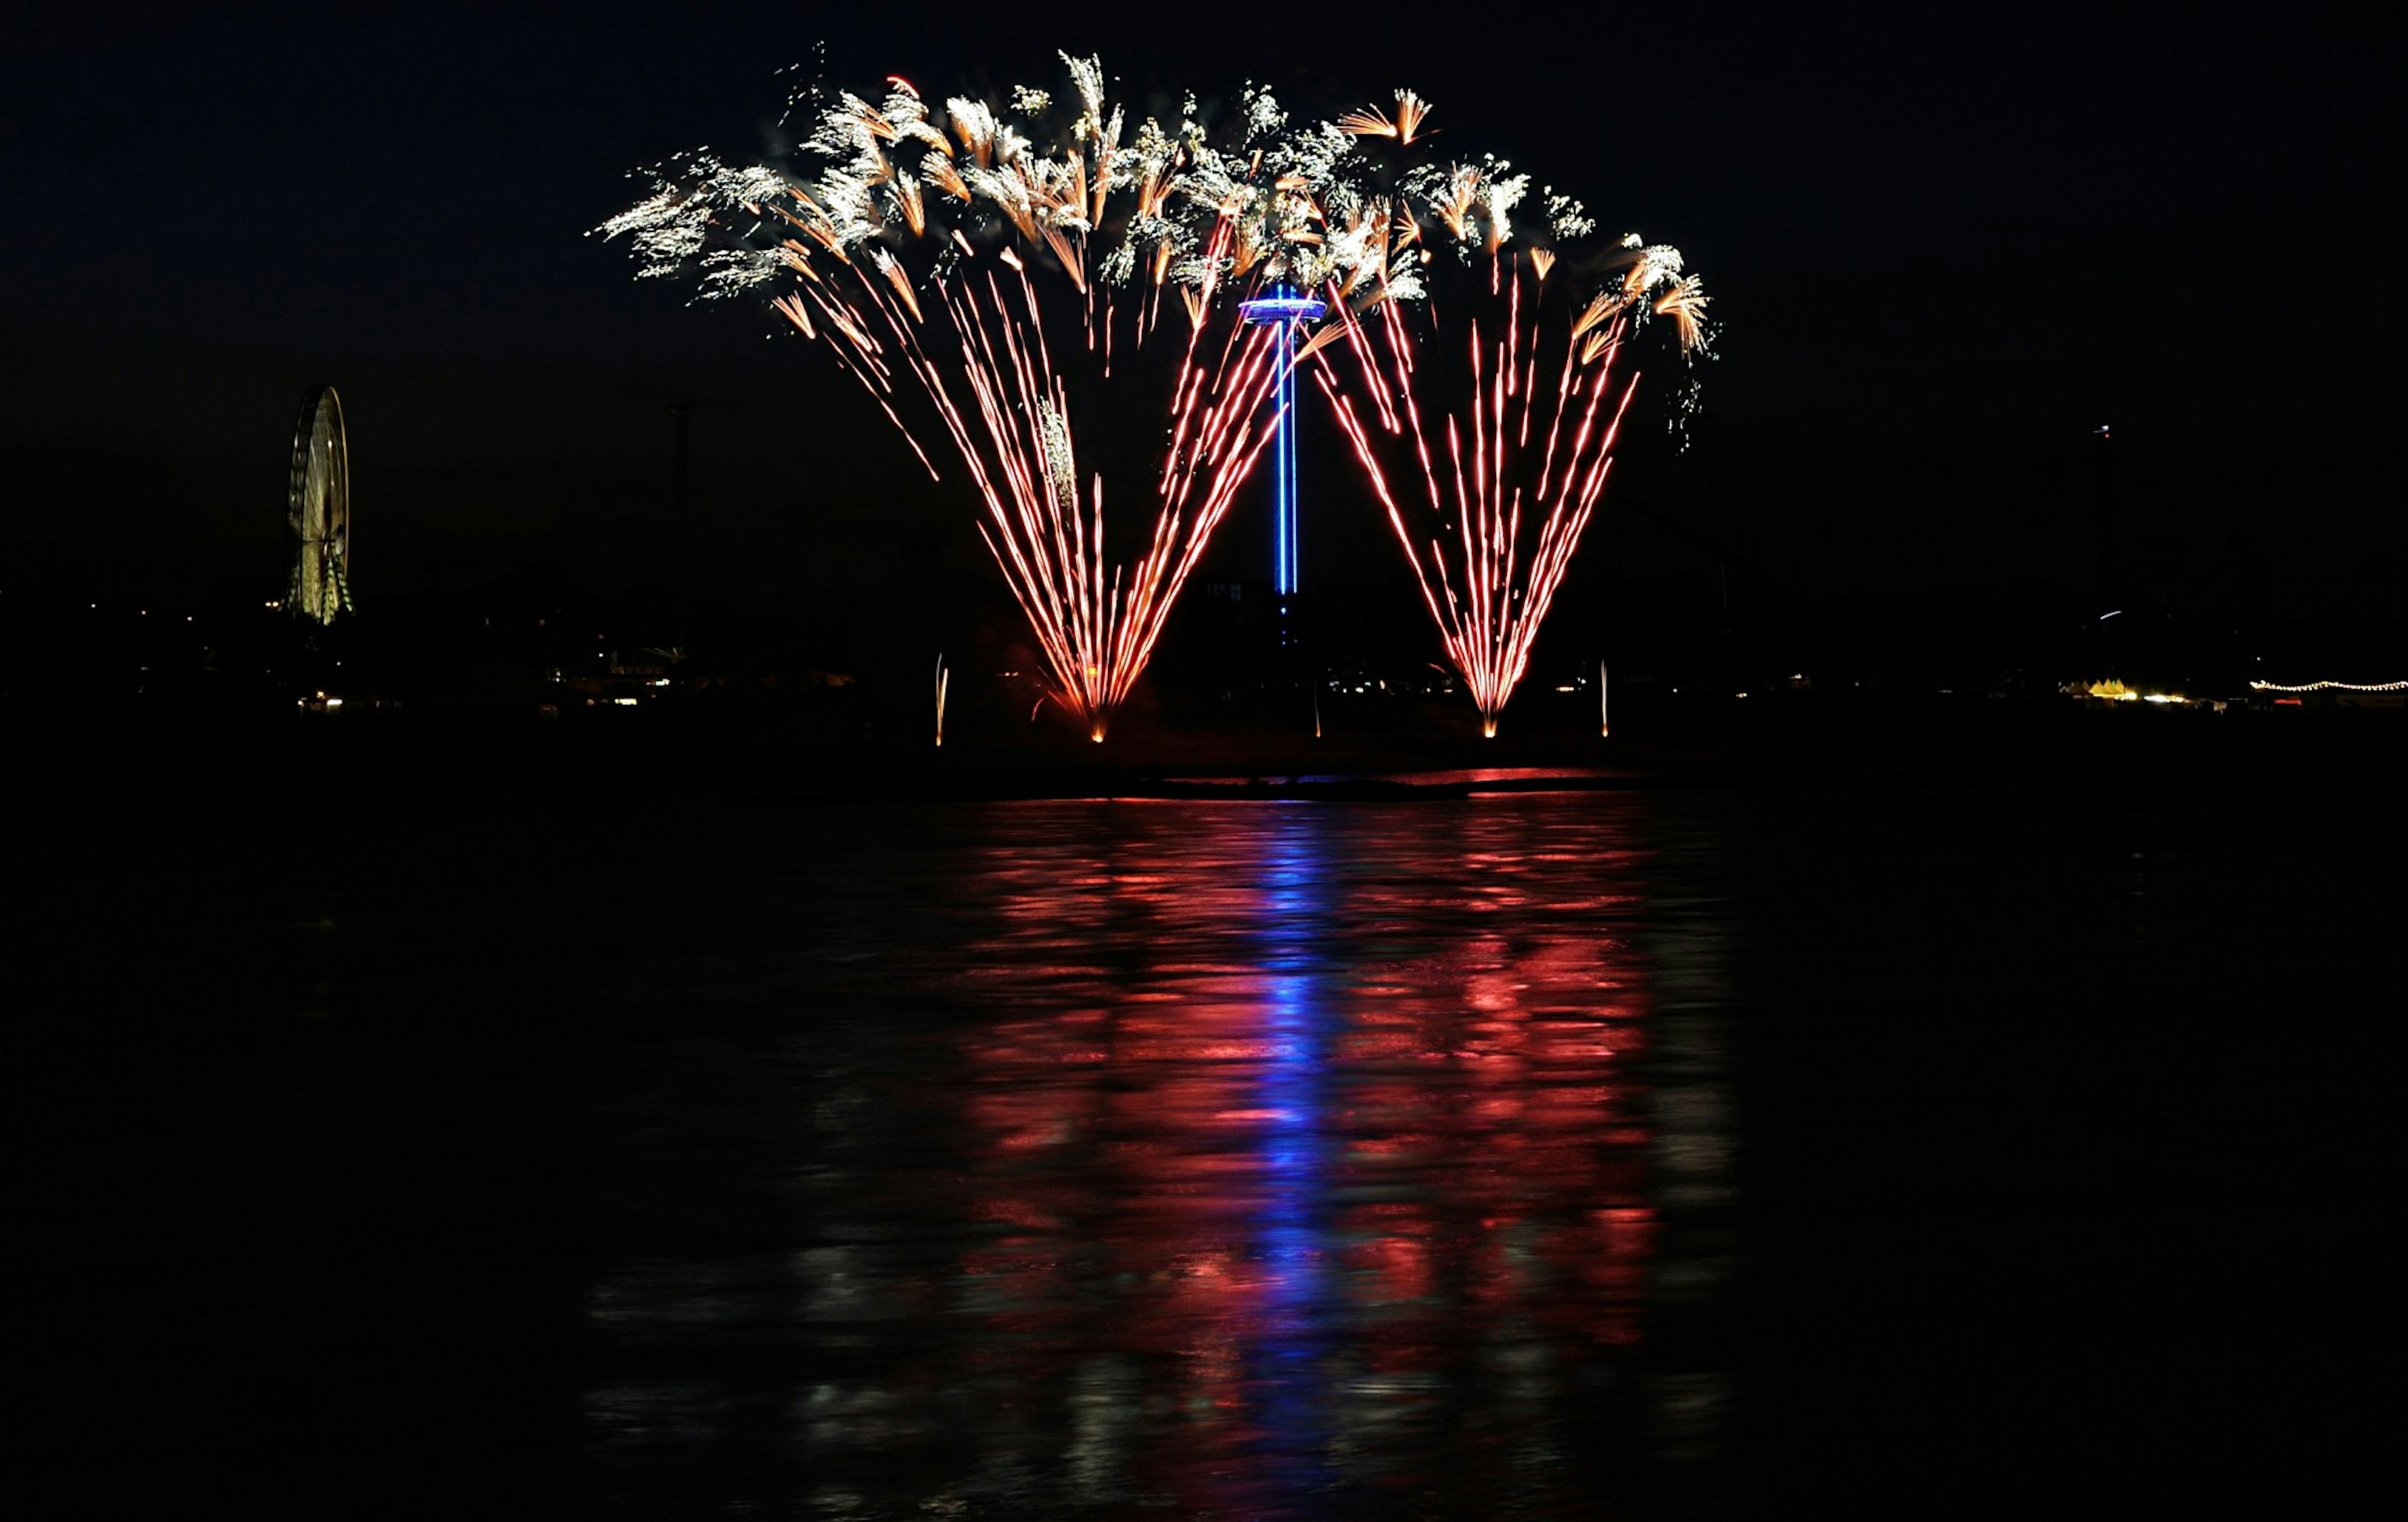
(1291, 1228)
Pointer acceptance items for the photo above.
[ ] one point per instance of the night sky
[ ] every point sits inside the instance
(1944, 253)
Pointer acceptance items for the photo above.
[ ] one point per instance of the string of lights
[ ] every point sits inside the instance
(2341, 686)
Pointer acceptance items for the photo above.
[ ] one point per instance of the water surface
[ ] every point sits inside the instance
(1256, 1160)
(1663, 1152)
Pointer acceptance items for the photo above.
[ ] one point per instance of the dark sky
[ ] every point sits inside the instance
(1946, 243)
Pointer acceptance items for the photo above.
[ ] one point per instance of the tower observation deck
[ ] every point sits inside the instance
(1287, 309)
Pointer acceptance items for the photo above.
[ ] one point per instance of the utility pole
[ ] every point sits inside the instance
(2103, 458)
(2110, 644)
(680, 413)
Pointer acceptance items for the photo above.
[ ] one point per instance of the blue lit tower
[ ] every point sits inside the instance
(1288, 309)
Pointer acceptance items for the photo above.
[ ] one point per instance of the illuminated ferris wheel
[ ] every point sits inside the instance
(320, 510)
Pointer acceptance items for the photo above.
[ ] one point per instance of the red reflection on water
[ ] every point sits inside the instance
(1313, 1115)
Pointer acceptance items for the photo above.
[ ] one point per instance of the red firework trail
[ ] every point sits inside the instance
(890, 239)
(1486, 579)
(1006, 410)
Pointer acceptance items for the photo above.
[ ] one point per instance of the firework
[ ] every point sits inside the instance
(1489, 447)
(963, 264)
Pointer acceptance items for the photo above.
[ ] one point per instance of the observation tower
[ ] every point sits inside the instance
(1287, 307)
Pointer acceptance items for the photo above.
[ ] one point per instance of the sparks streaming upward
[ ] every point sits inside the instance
(989, 268)
(1504, 433)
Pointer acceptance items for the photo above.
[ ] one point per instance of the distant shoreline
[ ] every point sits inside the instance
(343, 766)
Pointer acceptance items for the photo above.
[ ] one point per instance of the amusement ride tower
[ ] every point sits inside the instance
(1287, 307)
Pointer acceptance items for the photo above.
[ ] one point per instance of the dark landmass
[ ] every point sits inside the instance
(594, 767)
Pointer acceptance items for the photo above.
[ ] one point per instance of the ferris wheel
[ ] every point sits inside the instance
(319, 509)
